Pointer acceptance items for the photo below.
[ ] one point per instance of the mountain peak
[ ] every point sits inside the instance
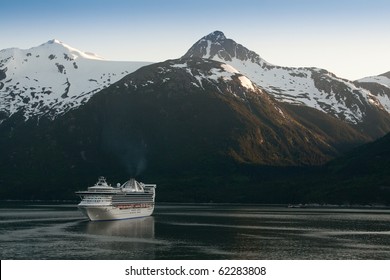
(59, 46)
(216, 46)
(54, 41)
(215, 36)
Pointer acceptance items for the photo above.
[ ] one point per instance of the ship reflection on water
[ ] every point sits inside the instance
(121, 239)
(134, 228)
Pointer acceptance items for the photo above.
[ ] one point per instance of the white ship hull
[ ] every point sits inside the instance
(107, 213)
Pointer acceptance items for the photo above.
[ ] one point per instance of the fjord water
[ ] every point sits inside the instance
(37, 231)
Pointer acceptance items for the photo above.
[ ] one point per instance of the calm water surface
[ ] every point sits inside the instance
(195, 232)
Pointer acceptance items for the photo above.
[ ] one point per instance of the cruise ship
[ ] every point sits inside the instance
(103, 202)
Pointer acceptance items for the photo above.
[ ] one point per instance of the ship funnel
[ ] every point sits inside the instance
(133, 186)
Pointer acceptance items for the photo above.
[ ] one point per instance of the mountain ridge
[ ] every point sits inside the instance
(312, 87)
(71, 81)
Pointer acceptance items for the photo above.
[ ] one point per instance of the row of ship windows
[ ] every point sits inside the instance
(97, 199)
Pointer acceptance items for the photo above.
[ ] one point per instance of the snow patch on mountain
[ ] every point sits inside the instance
(379, 86)
(229, 68)
(224, 71)
(384, 100)
(245, 82)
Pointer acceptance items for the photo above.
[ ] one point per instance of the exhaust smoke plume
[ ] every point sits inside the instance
(129, 148)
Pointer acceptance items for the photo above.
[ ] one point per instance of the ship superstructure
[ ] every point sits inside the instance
(130, 200)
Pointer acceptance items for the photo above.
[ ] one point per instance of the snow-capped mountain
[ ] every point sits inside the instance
(312, 87)
(53, 78)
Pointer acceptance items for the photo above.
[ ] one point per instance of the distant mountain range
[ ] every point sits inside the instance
(216, 112)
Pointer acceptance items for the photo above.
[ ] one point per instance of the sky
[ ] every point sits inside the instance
(349, 38)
